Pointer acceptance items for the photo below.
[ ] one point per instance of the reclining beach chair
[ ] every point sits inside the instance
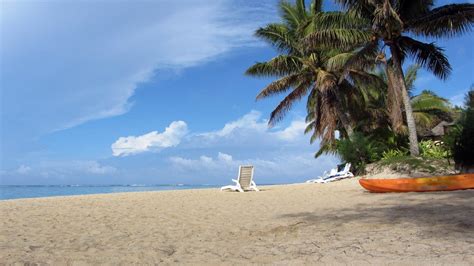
(334, 175)
(325, 175)
(244, 180)
(345, 173)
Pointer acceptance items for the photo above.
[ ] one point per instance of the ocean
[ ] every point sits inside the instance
(38, 191)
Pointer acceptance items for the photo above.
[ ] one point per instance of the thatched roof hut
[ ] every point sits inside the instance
(438, 131)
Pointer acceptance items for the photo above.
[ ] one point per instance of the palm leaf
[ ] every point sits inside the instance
(281, 65)
(341, 38)
(278, 36)
(338, 20)
(444, 21)
(410, 76)
(426, 55)
(293, 15)
(279, 86)
(410, 9)
(285, 105)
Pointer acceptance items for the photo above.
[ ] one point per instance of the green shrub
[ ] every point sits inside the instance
(359, 150)
(463, 148)
(433, 149)
(393, 153)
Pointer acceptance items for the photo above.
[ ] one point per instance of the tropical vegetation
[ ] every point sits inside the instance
(348, 64)
(461, 138)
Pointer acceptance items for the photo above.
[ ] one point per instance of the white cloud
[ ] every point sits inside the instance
(23, 169)
(279, 155)
(203, 162)
(247, 131)
(62, 168)
(292, 132)
(102, 51)
(224, 157)
(276, 167)
(251, 130)
(94, 167)
(152, 141)
(458, 99)
(249, 122)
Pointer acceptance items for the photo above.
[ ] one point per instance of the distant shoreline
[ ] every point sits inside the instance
(14, 192)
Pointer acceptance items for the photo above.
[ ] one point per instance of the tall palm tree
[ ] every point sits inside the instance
(393, 23)
(316, 71)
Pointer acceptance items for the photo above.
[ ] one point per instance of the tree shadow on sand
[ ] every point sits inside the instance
(434, 213)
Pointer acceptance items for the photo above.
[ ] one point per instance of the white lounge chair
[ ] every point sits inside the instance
(244, 180)
(325, 175)
(334, 175)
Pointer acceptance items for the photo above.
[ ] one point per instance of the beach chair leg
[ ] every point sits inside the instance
(254, 186)
(230, 187)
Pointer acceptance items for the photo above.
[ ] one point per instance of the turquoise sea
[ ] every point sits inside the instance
(38, 191)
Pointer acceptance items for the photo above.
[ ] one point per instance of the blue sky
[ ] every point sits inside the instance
(153, 92)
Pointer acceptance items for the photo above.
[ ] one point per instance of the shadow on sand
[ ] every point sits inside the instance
(434, 213)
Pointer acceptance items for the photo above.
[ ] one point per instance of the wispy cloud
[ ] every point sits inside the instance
(101, 51)
(56, 171)
(459, 98)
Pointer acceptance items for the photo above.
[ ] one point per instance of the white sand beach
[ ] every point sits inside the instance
(336, 223)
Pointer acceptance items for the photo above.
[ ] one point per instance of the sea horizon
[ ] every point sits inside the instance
(11, 192)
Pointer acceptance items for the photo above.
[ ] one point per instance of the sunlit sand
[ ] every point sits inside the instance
(305, 224)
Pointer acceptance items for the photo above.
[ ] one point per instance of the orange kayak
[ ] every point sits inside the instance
(422, 184)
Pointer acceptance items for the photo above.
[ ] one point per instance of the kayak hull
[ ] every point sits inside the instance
(422, 184)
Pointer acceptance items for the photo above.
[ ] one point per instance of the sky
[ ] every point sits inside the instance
(153, 92)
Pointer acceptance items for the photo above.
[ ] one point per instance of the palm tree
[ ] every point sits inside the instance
(429, 109)
(302, 70)
(392, 22)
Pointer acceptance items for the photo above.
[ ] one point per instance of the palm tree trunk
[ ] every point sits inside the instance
(393, 101)
(344, 117)
(399, 82)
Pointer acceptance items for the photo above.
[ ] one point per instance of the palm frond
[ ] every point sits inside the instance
(361, 58)
(410, 76)
(278, 66)
(284, 106)
(426, 55)
(337, 62)
(423, 120)
(362, 77)
(326, 148)
(278, 36)
(279, 86)
(409, 9)
(428, 101)
(386, 17)
(363, 8)
(293, 15)
(444, 21)
(339, 20)
(340, 38)
(316, 6)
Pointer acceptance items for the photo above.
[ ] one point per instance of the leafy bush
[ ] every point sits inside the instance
(359, 150)
(393, 153)
(433, 149)
(463, 148)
